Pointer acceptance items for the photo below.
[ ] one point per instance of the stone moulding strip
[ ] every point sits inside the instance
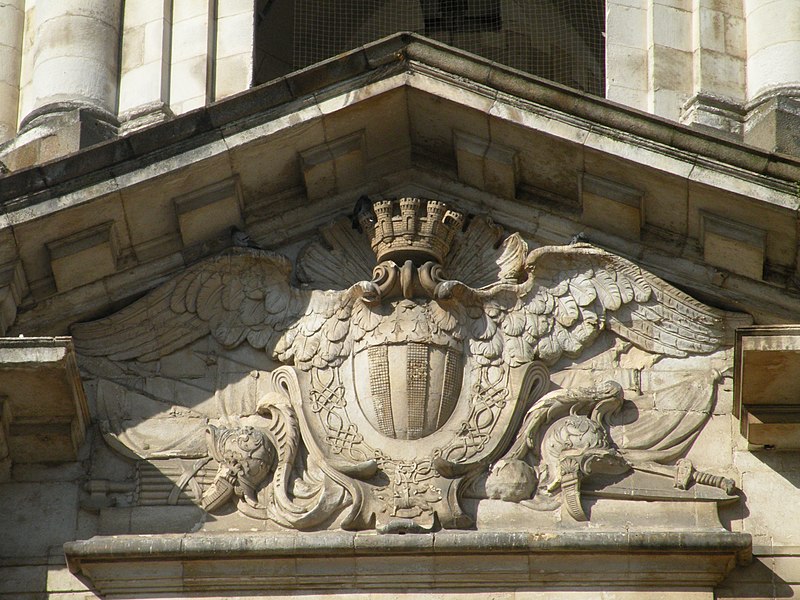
(199, 563)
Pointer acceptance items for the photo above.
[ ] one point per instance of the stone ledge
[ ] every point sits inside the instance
(200, 563)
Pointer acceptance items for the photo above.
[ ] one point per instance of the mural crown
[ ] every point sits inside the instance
(411, 229)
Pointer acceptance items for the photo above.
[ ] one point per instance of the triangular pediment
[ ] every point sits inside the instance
(402, 116)
(215, 269)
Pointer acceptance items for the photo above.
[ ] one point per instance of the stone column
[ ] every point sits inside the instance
(718, 56)
(69, 99)
(145, 63)
(235, 46)
(773, 74)
(11, 26)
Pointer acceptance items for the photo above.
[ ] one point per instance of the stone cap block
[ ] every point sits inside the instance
(611, 206)
(208, 212)
(44, 411)
(733, 246)
(333, 167)
(486, 165)
(765, 383)
(13, 287)
(85, 256)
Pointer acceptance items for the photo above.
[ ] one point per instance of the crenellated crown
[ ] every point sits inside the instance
(411, 229)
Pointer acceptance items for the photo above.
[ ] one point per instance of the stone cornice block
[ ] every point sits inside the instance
(44, 412)
(334, 561)
(733, 246)
(766, 379)
(611, 206)
(13, 287)
(486, 165)
(334, 166)
(208, 212)
(85, 256)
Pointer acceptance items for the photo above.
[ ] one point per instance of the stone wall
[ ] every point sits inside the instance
(88, 234)
(721, 65)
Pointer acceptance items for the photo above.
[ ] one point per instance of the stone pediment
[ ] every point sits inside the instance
(412, 378)
(453, 380)
(404, 116)
(211, 415)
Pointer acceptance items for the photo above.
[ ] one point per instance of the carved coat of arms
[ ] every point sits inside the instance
(415, 371)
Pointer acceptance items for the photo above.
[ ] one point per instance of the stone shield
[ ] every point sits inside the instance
(411, 388)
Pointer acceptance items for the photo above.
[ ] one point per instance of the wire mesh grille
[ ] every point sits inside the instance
(562, 40)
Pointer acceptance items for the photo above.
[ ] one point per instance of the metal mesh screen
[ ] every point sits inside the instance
(562, 40)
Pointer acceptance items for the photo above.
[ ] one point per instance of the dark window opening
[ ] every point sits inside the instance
(459, 16)
(562, 40)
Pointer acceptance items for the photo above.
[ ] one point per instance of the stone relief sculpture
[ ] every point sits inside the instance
(413, 374)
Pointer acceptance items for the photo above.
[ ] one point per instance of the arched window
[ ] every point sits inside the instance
(562, 40)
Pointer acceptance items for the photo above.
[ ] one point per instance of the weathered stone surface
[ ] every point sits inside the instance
(29, 532)
(45, 414)
(445, 374)
(407, 102)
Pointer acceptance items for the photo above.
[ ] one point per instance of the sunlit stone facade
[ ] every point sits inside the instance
(575, 378)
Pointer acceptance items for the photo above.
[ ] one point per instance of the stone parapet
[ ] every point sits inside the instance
(415, 99)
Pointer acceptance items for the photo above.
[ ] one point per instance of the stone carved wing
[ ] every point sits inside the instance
(574, 292)
(240, 295)
(481, 256)
(479, 259)
(341, 257)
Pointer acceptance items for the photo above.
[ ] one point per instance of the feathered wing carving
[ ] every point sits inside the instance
(342, 258)
(569, 294)
(479, 259)
(241, 294)
(572, 293)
